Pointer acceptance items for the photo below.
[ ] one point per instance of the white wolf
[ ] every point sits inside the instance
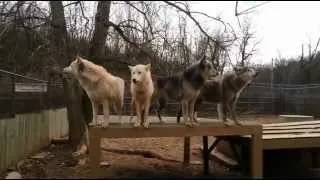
(101, 87)
(141, 90)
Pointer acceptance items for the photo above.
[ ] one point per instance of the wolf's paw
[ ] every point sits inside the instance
(188, 124)
(93, 123)
(196, 120)
(227, 123)
(136, 124)
(146, 124)
(195, 123)
(163, 121)
(105, 124)
(237, 122)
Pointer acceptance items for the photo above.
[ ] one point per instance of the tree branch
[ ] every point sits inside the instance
(72, 3)
(124, 37)
(192, 18)
(246, 11)
(144, 14)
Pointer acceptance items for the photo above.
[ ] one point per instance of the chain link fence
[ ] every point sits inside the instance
(20, 94)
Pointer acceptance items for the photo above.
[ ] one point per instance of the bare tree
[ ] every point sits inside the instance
(77, 127)
(100, 29)
(246, 44)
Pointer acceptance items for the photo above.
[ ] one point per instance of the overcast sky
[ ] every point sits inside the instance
(281, 26)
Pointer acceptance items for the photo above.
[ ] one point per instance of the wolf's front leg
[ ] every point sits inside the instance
(95, 107)
(185, 112)
(138, 111)
(191, 112)
(118, 108)
(233, 114)
(105, 114)
(132, 108)
(226, 108)
(222, 113)
(233, 110)
(146, 122)
(161, 103)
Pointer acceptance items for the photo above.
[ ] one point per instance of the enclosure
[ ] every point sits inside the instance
(44, 114)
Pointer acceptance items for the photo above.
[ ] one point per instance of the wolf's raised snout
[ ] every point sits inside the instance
(66, 69)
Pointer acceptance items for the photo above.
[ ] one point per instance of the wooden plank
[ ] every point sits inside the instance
(310, 126)
(94, 153)
(257, 154)
(60, 123)
(186, 151)
(33, 132)
(11, 142)
(29, 119)
(26, 137)
(174, 130)
(46, 128)
(291, 131)
(288, 136)
(290, 143)
(23, 132)
(154, 119)
(3, 143)
(296, 118)
(292, 123)
(20, 137)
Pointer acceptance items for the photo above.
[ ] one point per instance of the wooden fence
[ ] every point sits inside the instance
(28, 133)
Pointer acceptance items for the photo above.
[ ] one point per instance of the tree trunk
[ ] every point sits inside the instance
(97, 48)
(100, 29)
(78, 134)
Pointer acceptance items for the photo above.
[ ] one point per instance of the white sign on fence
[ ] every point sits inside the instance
(30, 87)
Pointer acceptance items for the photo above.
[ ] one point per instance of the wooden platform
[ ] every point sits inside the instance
(304, 134)
(302, 137)
(295, 117)
(206, 128)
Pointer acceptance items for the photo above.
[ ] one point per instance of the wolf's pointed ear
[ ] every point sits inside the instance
(80, 65)
(130, 67)
(148, 67)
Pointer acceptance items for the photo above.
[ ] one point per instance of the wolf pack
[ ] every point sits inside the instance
(199, 82)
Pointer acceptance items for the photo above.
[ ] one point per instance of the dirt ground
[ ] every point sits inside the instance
(58, 162)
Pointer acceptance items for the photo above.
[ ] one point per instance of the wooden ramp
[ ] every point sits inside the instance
(172, 129)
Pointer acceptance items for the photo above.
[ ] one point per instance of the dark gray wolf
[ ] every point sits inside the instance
(225, 90)
(184, 87)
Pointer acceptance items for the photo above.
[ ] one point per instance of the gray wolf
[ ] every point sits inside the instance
(225, 90)
(184, 87)
(101, 87)
(141, 89)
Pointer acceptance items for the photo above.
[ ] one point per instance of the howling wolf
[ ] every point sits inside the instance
(225, 90)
